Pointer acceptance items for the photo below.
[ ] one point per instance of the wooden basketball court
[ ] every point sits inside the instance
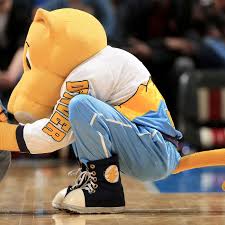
(27, 191)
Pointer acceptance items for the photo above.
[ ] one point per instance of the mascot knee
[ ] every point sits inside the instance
(5, 160)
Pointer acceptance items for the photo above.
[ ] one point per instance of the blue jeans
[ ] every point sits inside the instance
(101, 131)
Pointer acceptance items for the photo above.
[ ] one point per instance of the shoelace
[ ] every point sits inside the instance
(84, 180)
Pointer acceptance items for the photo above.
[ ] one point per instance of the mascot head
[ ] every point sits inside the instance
(57, 42)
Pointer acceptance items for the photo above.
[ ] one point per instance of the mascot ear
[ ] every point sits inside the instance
(43, 16)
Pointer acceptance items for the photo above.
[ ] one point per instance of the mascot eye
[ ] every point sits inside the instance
(28, 61)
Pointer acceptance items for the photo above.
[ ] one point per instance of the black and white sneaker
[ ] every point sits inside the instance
(101, 191)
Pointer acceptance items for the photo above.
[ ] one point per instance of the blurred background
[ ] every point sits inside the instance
(181, 42)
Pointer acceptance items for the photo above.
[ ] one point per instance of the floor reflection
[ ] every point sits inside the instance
(27, 191)
(138, 219)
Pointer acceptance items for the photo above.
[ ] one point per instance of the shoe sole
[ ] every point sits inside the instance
(57, 206)
(93, 210)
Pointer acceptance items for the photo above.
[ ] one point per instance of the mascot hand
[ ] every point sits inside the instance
(8, 140)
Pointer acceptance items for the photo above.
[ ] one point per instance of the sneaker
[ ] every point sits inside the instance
(101, 191)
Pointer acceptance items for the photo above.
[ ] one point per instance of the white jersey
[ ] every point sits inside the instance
(112, 76)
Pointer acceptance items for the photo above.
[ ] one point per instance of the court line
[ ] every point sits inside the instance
(165, 211)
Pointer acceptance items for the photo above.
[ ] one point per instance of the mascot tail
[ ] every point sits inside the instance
(202, 159)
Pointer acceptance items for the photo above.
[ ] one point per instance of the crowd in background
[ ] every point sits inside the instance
(168, 36)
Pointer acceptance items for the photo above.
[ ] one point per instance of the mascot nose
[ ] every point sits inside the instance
(24, 117)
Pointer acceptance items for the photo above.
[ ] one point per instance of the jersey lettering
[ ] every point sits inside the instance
(80, 87)
(58, 119)
(66, 98)
(59, 123)
(63, 109)
(54, 132)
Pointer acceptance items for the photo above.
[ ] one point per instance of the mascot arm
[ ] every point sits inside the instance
(36, 138)
(31, 138)
(46, 135)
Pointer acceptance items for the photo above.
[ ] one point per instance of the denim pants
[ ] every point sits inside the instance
(100, 131)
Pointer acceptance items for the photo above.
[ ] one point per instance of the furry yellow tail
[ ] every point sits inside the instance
(201, 159)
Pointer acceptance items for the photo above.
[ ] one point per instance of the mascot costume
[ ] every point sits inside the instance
(78, 90)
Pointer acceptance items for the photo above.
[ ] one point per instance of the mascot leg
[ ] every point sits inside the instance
(5, 159)
(107, 142)
(102, 190)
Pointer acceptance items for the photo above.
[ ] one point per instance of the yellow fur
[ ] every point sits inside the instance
(201, 159)
(57, 42)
